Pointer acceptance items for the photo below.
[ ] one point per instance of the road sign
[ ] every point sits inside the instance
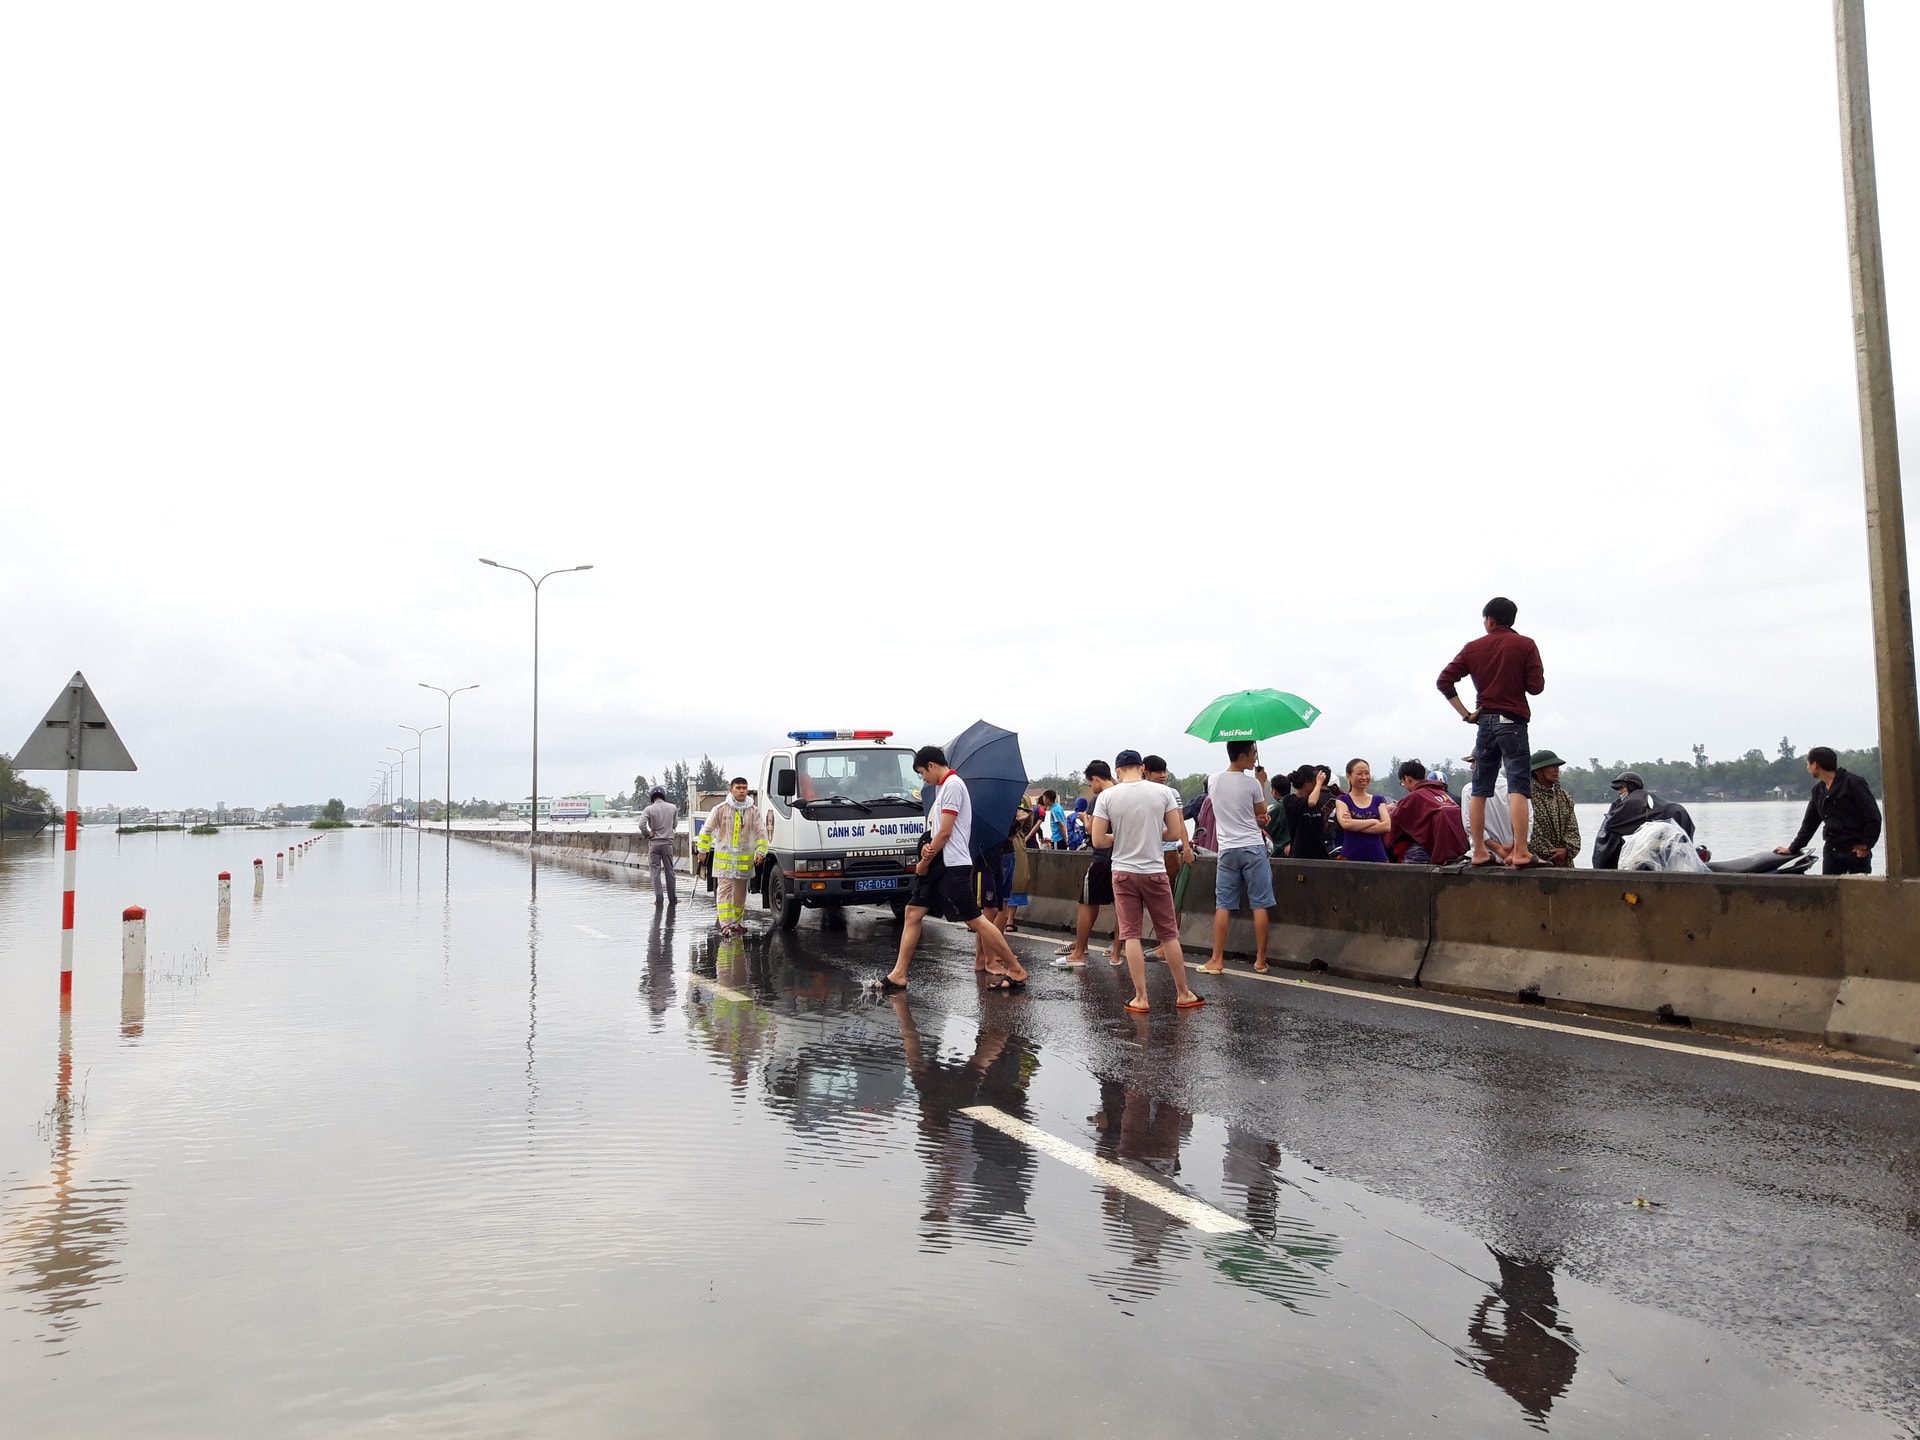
(76, 735)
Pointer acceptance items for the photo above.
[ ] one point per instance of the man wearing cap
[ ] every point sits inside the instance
(1554, 835)
(1634, 807)
(658, 822)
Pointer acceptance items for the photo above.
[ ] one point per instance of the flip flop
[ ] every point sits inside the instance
(1260, 967)
(1134, 1009)
(886, 983)
(1488, 864)
(1193, 1004)
(1005, 983)
(1209, 970)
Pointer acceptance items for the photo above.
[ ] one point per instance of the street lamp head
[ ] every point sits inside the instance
(485, 561)
(583, 567)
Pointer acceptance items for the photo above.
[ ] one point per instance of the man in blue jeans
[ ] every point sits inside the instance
(1244, 876)
(1505, 668)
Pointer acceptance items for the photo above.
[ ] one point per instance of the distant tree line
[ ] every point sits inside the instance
(17, 794)
(680, 783)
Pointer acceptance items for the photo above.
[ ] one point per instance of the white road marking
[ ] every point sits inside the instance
(724, 992)
(589, 930)
(1176, 1203)
(1768, 1062)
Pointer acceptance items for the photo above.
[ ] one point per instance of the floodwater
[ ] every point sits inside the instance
(447, 1144)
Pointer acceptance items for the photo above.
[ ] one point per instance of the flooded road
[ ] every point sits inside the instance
(410, 1151)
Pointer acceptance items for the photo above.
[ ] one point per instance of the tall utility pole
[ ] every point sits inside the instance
(1880, 454)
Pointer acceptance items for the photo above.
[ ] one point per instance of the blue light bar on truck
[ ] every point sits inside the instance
(839, 734)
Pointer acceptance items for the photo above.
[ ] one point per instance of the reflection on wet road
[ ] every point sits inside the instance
(435, 1149)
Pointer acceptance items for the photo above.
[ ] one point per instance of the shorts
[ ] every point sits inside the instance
(1134, 893)
(989, 888)
(946, 893)
(1097, 888)
(1244, 877)
(1502, 744)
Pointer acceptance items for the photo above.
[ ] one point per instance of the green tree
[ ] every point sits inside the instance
(335, 809)
(708, 777)
(1786, 748)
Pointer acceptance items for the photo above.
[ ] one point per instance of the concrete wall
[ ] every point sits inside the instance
(1799, 956)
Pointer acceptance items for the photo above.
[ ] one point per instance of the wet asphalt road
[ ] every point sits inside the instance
(473, 1149)
(1780, 1207)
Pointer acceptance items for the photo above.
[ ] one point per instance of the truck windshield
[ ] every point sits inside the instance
(861, 777)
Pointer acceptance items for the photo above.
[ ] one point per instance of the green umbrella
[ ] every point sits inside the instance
(1252, 715)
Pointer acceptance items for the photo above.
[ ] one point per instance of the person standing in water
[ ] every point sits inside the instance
(737, 841)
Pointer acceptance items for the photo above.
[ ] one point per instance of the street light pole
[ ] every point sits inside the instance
(420, 744)
(448, 737)
(533, 808)
(402, 796)
(1893, 662)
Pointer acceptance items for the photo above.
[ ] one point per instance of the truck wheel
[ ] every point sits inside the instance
(775, 897)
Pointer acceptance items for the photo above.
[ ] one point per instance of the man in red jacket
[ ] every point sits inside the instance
(1505, 666)
(1425, 828)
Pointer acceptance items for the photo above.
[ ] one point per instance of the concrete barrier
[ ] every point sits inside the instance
(1743, 953)
(1833, 960)
(1369, 922)
(1876, 1010)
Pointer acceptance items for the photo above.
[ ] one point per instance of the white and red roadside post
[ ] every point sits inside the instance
(133, 940)
(259, 878)
(75, 735)
(279, 864)
(69, 869)
(226, 889)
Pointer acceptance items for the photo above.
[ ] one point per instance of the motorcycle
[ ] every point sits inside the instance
(1765, 863)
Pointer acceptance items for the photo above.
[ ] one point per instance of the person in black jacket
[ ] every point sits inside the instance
(1843, 803)
(1635, 806)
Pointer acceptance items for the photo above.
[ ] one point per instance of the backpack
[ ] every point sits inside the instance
(1204, 837)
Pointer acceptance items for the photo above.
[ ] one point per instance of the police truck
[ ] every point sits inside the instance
(844, 822)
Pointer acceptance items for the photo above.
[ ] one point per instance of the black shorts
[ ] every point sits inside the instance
(946, 893)
(1097, 888)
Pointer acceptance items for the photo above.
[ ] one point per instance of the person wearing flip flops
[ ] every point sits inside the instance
(1129, 823)
(1506, 670)
(945, 879)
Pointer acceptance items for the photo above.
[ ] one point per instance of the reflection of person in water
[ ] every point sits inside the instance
(733, 1026)
(1525, 1349)
(657, 981)
(1251, 1165)
(1133, 1125)
(975, 1175)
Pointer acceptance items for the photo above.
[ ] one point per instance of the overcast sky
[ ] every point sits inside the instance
(1066, 365)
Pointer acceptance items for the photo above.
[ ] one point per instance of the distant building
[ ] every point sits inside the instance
(564, 807)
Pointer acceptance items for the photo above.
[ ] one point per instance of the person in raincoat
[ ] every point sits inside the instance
(736, 843)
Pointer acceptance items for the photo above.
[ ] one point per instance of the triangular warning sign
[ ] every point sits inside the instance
(61, 744)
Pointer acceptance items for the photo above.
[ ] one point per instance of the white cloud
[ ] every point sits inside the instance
(1064, 366)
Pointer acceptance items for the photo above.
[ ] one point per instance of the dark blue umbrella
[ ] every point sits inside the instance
(988, 759)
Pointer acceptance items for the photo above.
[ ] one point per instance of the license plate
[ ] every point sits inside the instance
(883, 883)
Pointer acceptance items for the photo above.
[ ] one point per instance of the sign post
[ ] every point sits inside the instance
(76, 735)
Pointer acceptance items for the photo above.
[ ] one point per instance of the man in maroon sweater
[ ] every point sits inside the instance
(1425, 828)
(1505, 667)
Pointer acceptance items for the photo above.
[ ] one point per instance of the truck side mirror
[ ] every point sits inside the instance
(784, 784)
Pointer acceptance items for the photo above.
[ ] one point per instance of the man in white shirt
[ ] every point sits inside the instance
(945, 880)
(1130, 822)
(1245, 875)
